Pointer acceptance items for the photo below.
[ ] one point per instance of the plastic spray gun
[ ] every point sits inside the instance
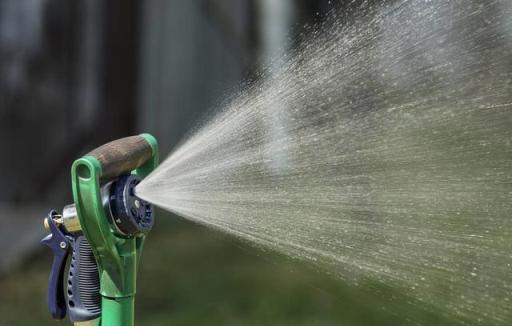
(103, 231)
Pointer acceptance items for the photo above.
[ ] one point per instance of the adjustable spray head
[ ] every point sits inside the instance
(104, 229)
(129, 214)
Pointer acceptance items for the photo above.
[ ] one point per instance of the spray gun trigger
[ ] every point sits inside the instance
(59, 243)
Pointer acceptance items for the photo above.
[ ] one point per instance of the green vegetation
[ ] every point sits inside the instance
(191, 275)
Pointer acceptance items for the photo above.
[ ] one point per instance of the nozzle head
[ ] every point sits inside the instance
(131, 215)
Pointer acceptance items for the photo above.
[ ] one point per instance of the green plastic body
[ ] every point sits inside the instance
(117, 257)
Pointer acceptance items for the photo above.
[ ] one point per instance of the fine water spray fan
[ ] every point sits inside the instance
(103, 231)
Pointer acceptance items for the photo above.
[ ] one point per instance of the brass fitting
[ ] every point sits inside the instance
(68, 218)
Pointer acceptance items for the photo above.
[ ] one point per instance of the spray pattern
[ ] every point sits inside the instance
(390, 159)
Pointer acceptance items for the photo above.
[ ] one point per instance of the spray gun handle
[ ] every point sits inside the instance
(122, 156)
(83, 285)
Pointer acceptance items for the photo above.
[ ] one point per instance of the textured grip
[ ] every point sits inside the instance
(121, 156)
(84, 300)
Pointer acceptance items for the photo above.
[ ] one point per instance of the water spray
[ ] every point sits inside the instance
(103, 231)
(380, 153)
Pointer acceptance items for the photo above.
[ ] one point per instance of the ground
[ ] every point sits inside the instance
(194, 276)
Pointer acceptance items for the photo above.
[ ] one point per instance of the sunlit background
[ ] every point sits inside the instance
(76, 74)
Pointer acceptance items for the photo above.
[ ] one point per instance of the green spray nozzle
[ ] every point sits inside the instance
(106, 228)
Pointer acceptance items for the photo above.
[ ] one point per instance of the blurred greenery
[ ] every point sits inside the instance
(191, 275)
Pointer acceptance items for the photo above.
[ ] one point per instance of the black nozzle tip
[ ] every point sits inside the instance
(131, 214)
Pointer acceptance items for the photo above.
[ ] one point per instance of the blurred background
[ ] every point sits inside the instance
(76, 74)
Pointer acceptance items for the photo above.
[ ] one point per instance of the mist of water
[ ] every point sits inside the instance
(382, 150)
